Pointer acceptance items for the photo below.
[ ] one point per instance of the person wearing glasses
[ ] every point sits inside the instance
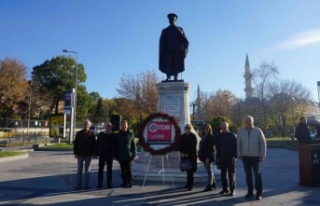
(252, 148)
(84, 149)
(188, 149)
(226, 159)
(106, 152)
(206, 155)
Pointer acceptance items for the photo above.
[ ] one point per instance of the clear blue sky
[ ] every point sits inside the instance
(113, 37)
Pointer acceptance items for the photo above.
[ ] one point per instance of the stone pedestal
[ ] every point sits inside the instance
(174, 100)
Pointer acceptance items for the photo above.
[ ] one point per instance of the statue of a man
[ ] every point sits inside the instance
(173, 49)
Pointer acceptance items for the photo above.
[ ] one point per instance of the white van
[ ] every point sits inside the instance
(97, 129)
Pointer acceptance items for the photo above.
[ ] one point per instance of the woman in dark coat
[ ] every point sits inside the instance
(188, 149)
(206, 155)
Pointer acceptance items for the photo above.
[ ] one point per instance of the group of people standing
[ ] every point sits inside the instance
(223, 148)
(107, 147)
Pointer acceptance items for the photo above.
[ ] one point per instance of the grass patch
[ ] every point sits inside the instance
(62, 146)
(10, 153)
(281, 142)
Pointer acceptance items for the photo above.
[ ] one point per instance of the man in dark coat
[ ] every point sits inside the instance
(106, 152)
(173, 49)
(302, 132)
(226, 158)
(84, 150)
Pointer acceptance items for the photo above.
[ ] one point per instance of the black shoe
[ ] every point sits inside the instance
(258, 197)
(109, 186)
(190, 188)
(87, 188)
(77, 188)
(186, 186)
(223, 192)
(249, 195)
(214, 186)
(99, 187)
(123, 185)
(168, 78)
(232, 193)
(208, 188)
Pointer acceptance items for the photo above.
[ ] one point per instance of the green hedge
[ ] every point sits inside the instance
(281, 142)
(10, 153)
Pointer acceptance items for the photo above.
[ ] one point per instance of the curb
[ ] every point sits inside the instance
(17, 157)
(52, 149)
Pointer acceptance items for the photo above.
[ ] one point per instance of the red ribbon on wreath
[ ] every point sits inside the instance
(164, 150)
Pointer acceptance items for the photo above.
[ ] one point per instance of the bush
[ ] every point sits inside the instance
(60, 146)
(7, 133)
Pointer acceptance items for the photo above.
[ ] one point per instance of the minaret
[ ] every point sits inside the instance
(247, 76)
(198, 102)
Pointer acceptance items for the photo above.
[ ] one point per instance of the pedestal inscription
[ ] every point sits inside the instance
(174, 100)
(172, 105)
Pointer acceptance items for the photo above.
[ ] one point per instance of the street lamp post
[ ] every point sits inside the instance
(318, 84)
(29, 109)
(227, 105)
(193, 104)
(75, 96)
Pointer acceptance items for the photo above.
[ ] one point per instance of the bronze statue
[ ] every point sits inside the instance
(173, 49)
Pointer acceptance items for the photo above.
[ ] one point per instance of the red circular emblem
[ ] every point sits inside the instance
(159, 132)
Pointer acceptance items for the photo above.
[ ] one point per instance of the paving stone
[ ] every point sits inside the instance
(48, 178)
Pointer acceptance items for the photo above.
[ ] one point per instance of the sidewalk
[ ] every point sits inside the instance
(48, 178)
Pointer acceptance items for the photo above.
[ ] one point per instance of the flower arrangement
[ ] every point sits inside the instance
(164, 150)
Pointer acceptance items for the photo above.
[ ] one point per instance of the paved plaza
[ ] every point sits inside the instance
(48, 178)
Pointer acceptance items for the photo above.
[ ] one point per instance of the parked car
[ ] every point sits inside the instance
(97, 129)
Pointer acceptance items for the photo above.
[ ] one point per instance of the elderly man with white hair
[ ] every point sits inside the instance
(84, 150)
(251, 148)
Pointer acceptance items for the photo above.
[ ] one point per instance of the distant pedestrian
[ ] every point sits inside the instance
(226, 159)
(206, 155)
(84, 150)
(302, 132)
(251, 148)
(106, 152)
(126, 153)
(188, 150)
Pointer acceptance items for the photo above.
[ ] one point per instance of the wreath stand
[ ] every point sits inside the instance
(162, 170)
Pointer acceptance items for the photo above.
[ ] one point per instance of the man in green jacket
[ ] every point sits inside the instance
(126, 153)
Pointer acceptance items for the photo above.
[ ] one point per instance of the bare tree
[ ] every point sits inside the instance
(38, 102)
(288, 101)
(141, 92)
(238, 112)
(261, 77)
(218, 104)
(110, 107)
